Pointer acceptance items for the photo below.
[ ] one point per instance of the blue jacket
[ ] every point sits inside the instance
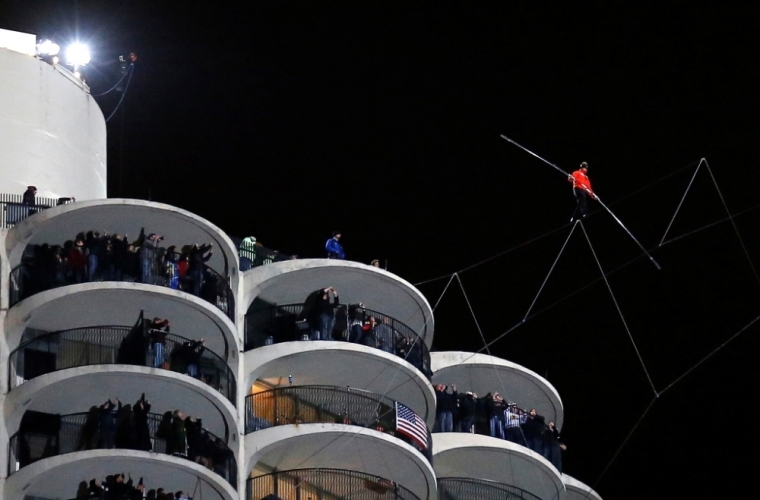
(334, 249)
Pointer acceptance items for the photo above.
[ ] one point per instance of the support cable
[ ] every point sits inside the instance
(628, 437)
(483, 338)
(736, 229)
(550, 272)
(619, 311)
(743, 329)
(681, 202)
(626, 264)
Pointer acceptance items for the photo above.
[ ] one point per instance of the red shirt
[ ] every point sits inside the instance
(581, 181)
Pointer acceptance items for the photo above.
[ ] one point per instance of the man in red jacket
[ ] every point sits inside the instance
(582, 191)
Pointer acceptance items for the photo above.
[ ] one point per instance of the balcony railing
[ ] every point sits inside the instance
(254, 254)
(51, 268)
(286, 323)
(464, 488)
(97, 431)
(13, 209)
(324, 484)
(315, 404)
(108, 345)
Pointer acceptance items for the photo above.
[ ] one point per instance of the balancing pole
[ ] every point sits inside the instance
(555, 167)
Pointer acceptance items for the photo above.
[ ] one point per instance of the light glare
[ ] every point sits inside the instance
(77, 54)
(48, 48)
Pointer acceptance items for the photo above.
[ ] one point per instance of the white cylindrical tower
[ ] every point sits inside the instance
(52, 132)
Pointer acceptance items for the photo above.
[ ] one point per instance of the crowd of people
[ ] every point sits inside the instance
(92, 256)
(113, 425)
(323, 317)
(492, 416)
(119, 487)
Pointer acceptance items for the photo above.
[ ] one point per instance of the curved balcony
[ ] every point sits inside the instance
(58, 476)
(91, 431)
(464, 455)
(287, 323)
(302, 484)
(483, 374)
(47, 271)
(336, 405)
(126, 217)
(110, 345)
(292, 281)
(466, 488)
(103, 303)
(576, 490)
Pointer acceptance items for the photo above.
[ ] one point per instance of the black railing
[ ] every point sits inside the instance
(463, 488)
(313, 404)
(324, 484)
(53, 267)
(13, 209)
(253, 254)
(99, 431)
(107, 345)
(488, 417)
(286, 323)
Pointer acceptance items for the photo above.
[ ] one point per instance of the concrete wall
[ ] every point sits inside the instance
(52, 132)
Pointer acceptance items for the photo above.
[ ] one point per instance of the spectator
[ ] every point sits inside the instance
(533, 429)
(193, 351)
(334, 248)
(385, 335)
(28, 198)
(148, 253)
(198, 256)
(553, 446)
(512, 421)
(446, 406)
(141, 428)
(468, 408)
(369, 337)
(324, 313)
(375, 263)
(177, 442)
(496, 409)
(108, 413)
(157, 331)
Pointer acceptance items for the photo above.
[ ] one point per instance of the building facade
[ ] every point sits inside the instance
(293, 379)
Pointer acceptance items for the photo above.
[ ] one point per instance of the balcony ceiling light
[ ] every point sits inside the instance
(48, 48)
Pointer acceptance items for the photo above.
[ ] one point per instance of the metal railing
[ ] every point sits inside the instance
(254, 254)
(13, 209)
(464, 488)
(99, 430)
(286, 323)
(107, 345)
(486, 417)
(314, 404)
(116, 260)
(324, 484)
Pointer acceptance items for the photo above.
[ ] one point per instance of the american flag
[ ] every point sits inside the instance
(409, 424)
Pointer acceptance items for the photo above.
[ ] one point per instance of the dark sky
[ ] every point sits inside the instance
(286, 120)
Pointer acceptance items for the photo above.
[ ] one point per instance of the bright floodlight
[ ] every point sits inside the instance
(77, 54)
(48, 48)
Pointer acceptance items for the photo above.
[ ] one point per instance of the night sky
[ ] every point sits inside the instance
(287, 120)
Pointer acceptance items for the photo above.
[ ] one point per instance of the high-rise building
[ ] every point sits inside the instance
(139, 338)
